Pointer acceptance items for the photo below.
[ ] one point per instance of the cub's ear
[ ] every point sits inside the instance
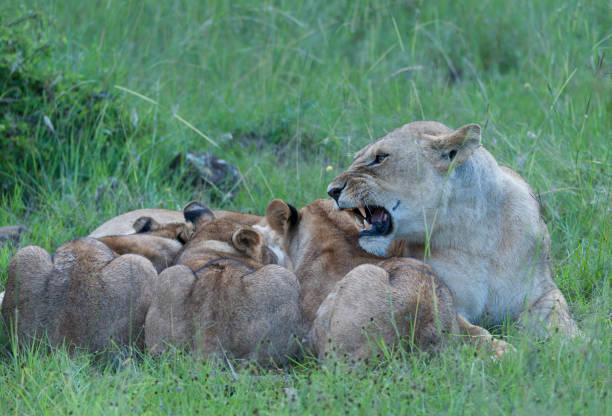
(281, 216)
(249, 242)
(175, 230)
(146, 224)
(453, 148)
(185, 232)
(197, 213)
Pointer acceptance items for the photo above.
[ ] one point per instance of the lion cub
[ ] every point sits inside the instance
(85, 295)
(225, 295)
(351, 298)
(93, 293)
(158, 243)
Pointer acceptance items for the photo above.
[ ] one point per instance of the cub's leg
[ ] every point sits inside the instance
(159, 250)
(168, 321)
(354, 313)
(262, 316)
(24, 306)
(102, 301)
(122, 302)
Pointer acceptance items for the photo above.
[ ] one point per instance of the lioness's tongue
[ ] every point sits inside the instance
(378, 215)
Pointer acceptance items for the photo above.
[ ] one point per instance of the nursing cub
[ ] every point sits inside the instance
(349, 297)
(85, 295)
(225, 294)
(92, 293)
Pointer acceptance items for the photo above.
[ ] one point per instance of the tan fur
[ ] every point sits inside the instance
(124, 223)
(486, 238)
(160, 251)
(85, 295)
(223, 296)
(347, 294)
(158, 243)
(322, 246)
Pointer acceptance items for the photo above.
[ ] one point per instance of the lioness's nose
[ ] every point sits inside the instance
(336, 191)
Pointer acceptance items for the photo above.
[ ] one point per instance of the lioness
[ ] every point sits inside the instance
(225, 295)
(85, 295)
(347, 294)
(476, 223)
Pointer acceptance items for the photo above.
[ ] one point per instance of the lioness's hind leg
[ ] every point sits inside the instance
(482, 337)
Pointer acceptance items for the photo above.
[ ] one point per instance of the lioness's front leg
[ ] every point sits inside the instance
(550, 313)
(484, 338)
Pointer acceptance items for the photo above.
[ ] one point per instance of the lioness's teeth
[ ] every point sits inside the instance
(366, 225)
(384, 217)
(358, 222)
(362, 211)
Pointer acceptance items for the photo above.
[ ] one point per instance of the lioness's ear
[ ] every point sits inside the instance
(146, 224)
(249, 242)
(197, 213)
(454, 147)
(281, 216)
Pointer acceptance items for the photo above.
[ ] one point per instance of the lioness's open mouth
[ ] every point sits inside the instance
(375, 220)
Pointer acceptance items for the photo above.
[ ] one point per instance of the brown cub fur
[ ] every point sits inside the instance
(85, 295)
(124, 224)
(347, 294)
(359, 309)
(158, 243)
(223, 295)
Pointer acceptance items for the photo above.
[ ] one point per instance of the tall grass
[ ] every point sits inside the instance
(287, 89)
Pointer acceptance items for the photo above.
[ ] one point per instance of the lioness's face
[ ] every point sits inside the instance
(395, 185)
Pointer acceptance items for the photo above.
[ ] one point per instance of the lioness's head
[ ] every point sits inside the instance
(396, 184)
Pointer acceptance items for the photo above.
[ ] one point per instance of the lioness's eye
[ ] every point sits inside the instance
(378, 160)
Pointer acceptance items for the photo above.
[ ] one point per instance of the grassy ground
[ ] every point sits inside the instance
(286, 89)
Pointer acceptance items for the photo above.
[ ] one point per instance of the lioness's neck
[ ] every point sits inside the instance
(472, 206)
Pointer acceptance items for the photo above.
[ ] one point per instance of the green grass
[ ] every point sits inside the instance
(286, 89)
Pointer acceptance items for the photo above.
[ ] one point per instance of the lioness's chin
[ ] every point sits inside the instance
(377, 245)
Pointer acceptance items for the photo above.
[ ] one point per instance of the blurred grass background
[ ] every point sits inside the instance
(97, 99)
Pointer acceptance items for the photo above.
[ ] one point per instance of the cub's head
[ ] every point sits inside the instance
(220, 238)
(396, 184)
(173, 230)
(317, 233)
